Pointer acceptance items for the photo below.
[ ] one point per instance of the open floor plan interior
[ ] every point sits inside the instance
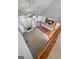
(39, 29)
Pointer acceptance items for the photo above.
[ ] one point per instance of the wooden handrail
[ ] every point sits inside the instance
(44, 52)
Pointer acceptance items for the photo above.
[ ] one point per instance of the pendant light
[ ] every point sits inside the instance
(34, 7)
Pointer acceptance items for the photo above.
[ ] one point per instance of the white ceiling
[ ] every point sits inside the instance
(49, 8)
(26, 6)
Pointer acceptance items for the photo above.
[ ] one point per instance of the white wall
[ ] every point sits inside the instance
(54, 10)
(23, 49)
